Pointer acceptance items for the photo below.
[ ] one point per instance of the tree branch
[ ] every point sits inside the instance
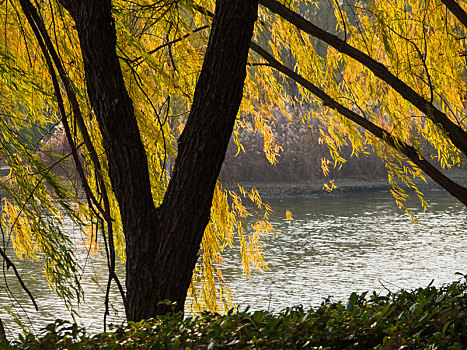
(410, 152)
(455, 133)
(169, 43)
(49, 52)
(456, 10)
(9, 264)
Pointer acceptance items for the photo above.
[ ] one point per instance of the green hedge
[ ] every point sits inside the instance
(427, 318)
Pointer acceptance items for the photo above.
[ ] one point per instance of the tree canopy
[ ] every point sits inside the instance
(388, 77)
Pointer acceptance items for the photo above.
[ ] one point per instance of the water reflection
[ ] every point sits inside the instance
(337, 245)
(94, 274)
(334, 246)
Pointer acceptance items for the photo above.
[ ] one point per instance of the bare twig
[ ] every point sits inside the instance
(169, 43)
(9, 264)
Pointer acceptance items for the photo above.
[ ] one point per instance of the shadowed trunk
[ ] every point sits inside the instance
(185, 211)
(162, 244)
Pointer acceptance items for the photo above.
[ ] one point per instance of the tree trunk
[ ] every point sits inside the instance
(162, 244)
(202, 148)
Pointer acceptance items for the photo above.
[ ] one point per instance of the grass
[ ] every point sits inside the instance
(426, 318)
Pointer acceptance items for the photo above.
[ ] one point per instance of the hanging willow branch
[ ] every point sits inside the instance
(455, 133)
(410, 152)
(9, 264)
(50, 54)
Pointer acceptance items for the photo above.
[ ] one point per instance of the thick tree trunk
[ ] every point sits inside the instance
(184, 213)
(202, 147)
(113, 108)
(162, 245)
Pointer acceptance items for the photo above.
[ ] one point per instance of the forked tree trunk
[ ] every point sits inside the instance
(162, 244)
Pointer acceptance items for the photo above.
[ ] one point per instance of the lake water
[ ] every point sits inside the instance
(356, 242)
(334, 246)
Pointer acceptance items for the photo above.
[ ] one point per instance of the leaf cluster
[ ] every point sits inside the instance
(161, 49)
(426, 318)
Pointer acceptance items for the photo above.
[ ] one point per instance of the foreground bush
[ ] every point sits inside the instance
(427, 318)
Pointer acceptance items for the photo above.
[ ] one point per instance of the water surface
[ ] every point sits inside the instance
(355, 242)
(335, 245)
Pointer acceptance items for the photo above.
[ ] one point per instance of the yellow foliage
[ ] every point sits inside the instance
(329, 187)
(418, 41)
(208, 289)
(22, 235)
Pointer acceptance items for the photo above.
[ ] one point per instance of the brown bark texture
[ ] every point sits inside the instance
(185, 211)
(162, 244)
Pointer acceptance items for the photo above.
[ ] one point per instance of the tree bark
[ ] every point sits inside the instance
(202, 146)
(162, 244)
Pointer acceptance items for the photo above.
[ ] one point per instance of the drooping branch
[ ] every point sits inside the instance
(455, 133)
(52, 58)
(456, 10)
(9, 264)
(169, 43)
(410, 152)
(50, 54)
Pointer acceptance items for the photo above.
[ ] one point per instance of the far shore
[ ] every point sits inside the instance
(315, 188)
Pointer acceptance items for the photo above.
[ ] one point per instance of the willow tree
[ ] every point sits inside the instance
(62, 61)
(393, 80)
(120, 79)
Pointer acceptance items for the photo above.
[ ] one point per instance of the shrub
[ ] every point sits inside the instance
(426, 318)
